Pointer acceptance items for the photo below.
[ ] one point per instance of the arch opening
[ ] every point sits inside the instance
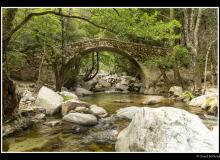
(111, 50)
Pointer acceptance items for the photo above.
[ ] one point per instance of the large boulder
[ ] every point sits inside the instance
(49, 99)
(98, 111)
(81, 119)
(72, 104)
(165, 129)
(176, 90)
(82, 91)
(127, 113)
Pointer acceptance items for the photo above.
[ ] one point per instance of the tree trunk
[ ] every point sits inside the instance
(176, 72)
(58, 84)
(192, 21)
(163, 72)
(10, 97)
(196, 76)
(177, 77)
(206, 63)
(89, 75)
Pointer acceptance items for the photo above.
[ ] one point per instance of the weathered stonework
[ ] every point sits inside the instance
(129, 49)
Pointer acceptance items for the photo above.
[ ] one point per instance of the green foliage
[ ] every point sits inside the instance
(187, 95)
(180, 54)
(135, 22)
(16, 59)
(110, 62)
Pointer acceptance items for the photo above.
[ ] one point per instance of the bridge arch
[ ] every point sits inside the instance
(117, 51)
(135, 52)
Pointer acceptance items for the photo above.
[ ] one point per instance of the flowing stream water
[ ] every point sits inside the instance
(41, 138)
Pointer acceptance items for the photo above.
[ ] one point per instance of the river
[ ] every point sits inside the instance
(41, 138)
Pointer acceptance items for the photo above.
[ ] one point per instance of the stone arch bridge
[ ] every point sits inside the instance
(129, 49)
(135, 52)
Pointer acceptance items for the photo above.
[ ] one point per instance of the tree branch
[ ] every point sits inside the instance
(116, 11)
(27, 18)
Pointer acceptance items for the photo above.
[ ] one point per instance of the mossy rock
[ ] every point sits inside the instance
(34, 144)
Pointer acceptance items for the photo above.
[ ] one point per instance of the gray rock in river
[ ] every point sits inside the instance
(176, 90)
(98, 111)
(82, 91)
(155, 100)
(81, 119)
(72, 104)
(165, 129)
(105, 137)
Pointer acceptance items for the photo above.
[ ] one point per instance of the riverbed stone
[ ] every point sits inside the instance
(176, 90)
(207, 102)
(39, 117)
(121, 87)
(50, 100)
(81, 119)
(198, 101)
(34, 144)
(98, 111)
(211, 91)
(108, 136)
(123, 101)
(154, 100)
(104, 83)
(127, 113)
(90, 85)
(53, 123)
(165, 129)
(82, 91)
(72, 104)
(81, 109)
(16, 126)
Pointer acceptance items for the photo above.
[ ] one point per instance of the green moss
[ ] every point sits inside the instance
(66, 98)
